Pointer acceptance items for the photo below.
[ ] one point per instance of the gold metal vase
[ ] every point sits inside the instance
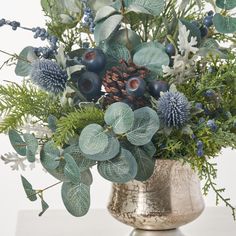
(171, 197)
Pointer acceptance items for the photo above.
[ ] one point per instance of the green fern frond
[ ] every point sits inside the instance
(18, 102)
(75, 121)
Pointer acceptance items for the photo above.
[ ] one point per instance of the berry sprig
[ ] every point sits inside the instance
(88, 18)
(45, 52)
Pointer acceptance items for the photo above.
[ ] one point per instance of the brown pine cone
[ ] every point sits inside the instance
(115, 81)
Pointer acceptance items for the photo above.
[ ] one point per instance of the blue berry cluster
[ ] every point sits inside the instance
(14, 24)
(173, 109)
(207, 23)
(200, 151)
(45, 52)
(88, 19)
(49, 76)
(212, 125)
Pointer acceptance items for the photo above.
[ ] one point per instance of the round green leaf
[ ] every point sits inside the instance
(151, 57)
(104, 12)
(71, 169)
(145, 6)
(31, 146)
(146, 123)
(82, 162)
(105, 28)
(23, 66)
(110, 152)
(86, 177)
(50, 156)
(223, 24)
(93, 139)
(146, 162)
(76, 198)
(120, 169)
(226, 4)
(120, 37)
(120, 116)
(17, 142)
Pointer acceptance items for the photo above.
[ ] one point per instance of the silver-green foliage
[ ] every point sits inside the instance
(126, 130)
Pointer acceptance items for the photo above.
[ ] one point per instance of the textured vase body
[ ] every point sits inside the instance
(170, 198)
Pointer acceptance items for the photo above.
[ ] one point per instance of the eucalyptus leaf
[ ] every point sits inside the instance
(110, 152)
(115, 51)
(120, 116)
(120, 169)
(52, 123)
(93, 139)
(105, 28)
(151, 57)
(126, 37)
(226, 4)
(73, 5)
(82, 162)
(224, 24)
(31, 146)
(76, 198)
(71, 170)
(146, 123)
(145, 6)
(30, 192)
(96, 5)
(44, 205)
(104, 12)
(50, 156)
(86, 177)
(23, 66)
(146, 162)
(17, 142)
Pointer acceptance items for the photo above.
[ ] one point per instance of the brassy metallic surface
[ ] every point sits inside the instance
(170, 198)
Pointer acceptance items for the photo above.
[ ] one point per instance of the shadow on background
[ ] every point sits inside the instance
(138, 232)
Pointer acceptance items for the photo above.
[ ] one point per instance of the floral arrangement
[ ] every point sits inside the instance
(121, 84)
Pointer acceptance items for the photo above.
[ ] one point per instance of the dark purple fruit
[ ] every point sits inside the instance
(136, 87)
(90, 85)
(158, 86)
(170, 49)
(208, 21)
(210, 13)
(94, 60)
(204, 31)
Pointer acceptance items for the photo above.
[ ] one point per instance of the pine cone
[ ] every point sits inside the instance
(115, 81)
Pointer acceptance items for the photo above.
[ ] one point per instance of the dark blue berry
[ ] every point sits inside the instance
(209, 93)
(200, 152)
(89, 85)
(198, 105)
(158, 86)
(199, 144)
(210, 13)
(94, 60)
(208, 21)
(170, 49)
(136, 87)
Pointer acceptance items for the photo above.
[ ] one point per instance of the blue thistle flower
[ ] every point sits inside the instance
(49, 76)
(173, 109)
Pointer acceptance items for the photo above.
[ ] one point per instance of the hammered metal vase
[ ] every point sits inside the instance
(170, 198)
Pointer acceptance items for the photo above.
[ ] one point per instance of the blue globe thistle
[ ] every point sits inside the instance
(49, 76)
(173, 109)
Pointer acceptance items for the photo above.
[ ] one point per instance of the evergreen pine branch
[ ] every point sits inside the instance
(17, 103)
(74, 122)
(210, 174)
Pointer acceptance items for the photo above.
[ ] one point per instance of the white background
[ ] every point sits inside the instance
(12, 197)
